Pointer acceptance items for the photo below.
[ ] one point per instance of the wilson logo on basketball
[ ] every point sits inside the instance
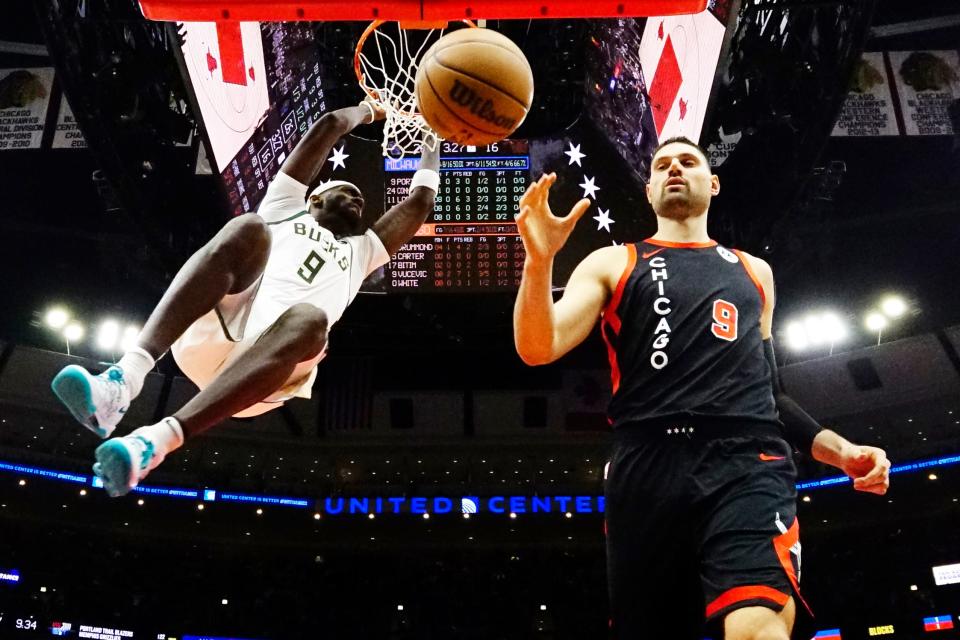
(467, 97)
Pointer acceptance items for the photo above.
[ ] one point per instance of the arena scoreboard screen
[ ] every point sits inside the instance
(257, 88)
(471, 240)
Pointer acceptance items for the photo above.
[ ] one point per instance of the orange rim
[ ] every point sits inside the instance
(373, 26)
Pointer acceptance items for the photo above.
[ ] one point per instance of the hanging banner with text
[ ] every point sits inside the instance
(868, 109)
(24, 98)
(901, 93)
(68, 134)
(927, 82)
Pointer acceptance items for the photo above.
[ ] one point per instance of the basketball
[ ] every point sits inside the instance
(474, 86)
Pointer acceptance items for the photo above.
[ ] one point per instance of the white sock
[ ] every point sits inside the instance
(135, 364)
(166, 435)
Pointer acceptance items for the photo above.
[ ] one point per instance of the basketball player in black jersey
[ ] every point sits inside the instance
(700, 487)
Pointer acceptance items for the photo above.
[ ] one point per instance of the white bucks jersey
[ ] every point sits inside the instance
(307, 263)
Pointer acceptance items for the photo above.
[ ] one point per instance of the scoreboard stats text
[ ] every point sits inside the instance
(246, 178)
(470, 241)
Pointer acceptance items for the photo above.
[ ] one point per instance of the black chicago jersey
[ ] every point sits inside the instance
(683, 336)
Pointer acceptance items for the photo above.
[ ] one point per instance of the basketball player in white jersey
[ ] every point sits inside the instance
(248, 316)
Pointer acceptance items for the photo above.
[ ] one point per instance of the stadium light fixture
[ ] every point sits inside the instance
(108, 334)
(876, 322)
(129, 339)
(56, 318)
(73, 332)
(818, 329)
(797, 336)
(893, 306)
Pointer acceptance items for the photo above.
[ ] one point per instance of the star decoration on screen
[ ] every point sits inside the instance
(575, 154)
(589, 188)
(338, 158)
(604, 220)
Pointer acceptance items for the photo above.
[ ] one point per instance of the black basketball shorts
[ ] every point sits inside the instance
(701, 521)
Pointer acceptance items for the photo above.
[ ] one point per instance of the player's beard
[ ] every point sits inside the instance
(681, 208)
(342, 223)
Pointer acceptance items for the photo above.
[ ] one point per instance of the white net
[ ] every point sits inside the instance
(388, 61)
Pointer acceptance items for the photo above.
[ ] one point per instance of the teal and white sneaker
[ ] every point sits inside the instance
(97, 402)
(123, 462)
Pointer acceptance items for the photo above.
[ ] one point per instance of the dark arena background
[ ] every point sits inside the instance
(435, 486)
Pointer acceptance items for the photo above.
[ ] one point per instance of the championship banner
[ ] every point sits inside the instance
(24, 98)
(927, 82)
(868, 109)
(68, 134)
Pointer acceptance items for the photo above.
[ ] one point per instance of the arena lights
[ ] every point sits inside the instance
(108, 335)
(891, 308)
(828, 328)
(73, 332)
(56, 318)
(816, 330)
(875, 321)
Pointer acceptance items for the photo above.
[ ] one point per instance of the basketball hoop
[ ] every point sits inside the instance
(387, 73)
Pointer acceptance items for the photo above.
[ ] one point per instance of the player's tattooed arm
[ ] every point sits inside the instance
(398, 225)
(311, 152)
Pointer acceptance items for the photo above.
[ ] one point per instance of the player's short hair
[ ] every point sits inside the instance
(681, 140)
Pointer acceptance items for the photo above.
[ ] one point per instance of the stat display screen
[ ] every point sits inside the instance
(248, 174)
(257, 88)
(470, 241)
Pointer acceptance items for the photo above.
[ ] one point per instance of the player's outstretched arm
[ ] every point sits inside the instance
(398, 225)
(543, 331)
(867, 466)
(311, 152)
